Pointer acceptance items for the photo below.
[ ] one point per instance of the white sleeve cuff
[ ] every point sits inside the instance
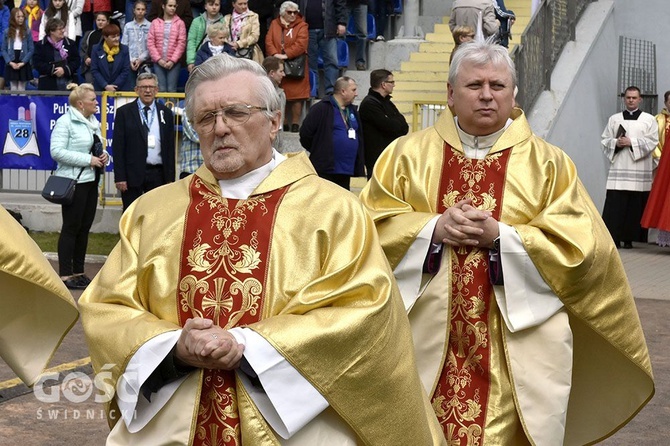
(525, 300)
(409, 271)
(136, 411)
(287, 400)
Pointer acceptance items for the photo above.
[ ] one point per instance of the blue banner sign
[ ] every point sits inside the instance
(26, 125)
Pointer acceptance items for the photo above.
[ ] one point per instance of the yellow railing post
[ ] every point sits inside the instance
(425, 114)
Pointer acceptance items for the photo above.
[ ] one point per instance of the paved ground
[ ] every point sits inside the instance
(29, 420)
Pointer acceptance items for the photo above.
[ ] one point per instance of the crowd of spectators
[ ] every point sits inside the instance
(55, 44)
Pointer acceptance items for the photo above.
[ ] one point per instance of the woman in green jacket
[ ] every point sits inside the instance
(73, 148)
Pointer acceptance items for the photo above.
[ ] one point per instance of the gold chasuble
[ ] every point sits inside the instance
(298, 262)
(460, 337)
(37, 308)
(663, 121)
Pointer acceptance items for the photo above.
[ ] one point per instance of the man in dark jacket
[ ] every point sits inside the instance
(331, 132)
(327, 20)
(382, 122)
(506, 18)
(143, 145)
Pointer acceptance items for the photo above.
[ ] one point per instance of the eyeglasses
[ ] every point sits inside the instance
(146, 87)
(232, 116)
(389, 82)
(291, 12)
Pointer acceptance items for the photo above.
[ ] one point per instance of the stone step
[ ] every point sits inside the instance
(436, 47)
(425, 96)
(437, 67)
(439, 38)
(430, 57)
(420, 77)
(519, 6)
(520, 24)
(419, 86)
(442, 28)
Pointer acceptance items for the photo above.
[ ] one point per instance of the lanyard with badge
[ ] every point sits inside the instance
(151, 139)
(351, 132)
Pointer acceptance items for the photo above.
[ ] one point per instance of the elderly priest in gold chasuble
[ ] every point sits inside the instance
(251, 303)
(524, 324)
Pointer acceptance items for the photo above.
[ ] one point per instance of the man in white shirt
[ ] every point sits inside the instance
(628, 141)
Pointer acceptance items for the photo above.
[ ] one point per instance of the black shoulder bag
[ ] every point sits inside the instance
(293, 68)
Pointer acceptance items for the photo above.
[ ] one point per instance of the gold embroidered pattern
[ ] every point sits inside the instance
(221, 278)
(472, 173)
(228, 257)
(223, 408)
(461, 394)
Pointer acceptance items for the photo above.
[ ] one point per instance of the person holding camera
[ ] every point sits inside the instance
(77, 148)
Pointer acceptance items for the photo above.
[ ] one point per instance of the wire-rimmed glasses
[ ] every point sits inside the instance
(233, 115)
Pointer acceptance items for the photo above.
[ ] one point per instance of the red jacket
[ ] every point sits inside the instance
(98, 6)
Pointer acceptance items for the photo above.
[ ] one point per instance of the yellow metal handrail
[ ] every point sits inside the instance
(425, 114)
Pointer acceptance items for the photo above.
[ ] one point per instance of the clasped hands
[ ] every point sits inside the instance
(623, 141)
(99, 161)
(205, 345)
(464, 225)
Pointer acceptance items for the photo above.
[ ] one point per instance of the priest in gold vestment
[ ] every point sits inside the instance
(251, 303)
(524, 325)
(37, 308)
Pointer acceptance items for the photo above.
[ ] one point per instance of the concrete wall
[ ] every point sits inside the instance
(584, 84)
(573, 114)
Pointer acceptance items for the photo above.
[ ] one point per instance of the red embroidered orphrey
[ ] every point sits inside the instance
(462, 391)
(222, 277)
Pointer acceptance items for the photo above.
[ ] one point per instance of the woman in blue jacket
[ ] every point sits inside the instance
(17, 51)
(110, 61)
(73, 148)
(4, 24)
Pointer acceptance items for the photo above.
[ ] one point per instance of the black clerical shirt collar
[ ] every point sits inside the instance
(632, 115)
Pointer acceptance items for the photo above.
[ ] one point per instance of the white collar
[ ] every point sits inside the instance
(478, 146)
(241, 188)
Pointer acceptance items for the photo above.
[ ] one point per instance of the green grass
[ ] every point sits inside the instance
(98, 243)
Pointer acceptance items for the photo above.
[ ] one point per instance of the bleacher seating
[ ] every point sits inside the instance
(342, 55)
(351, 28)
(313, 83)
(183, 77)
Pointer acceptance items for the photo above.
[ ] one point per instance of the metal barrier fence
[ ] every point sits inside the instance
(31, 181)
(552, 26)
(426, 114)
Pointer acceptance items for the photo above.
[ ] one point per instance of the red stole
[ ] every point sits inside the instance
(223, 271)
(461, 396)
